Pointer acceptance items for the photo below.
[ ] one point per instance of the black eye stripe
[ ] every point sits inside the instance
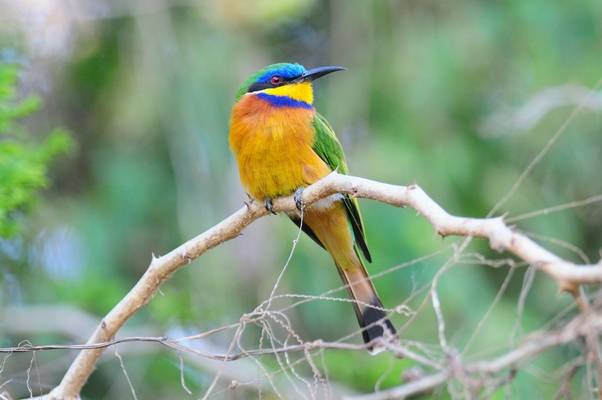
(257, 86)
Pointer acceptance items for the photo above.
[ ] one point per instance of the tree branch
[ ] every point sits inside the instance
(71, 322)
(581, 326)
(500, 236)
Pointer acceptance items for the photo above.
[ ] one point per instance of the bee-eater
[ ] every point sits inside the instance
(282, 144)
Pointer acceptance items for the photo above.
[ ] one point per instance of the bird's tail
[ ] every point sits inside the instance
(331, 230)
(366, 303)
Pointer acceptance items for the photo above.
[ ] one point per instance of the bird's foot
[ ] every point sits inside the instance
(299, 199)
(269, 206)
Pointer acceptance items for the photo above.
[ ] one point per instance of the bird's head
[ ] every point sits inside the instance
(284, 84)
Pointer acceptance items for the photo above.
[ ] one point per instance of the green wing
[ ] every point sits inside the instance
(328, 147)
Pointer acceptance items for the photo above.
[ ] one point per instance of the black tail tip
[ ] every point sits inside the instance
(375, 321)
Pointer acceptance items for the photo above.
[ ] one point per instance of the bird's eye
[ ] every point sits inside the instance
(276, 80)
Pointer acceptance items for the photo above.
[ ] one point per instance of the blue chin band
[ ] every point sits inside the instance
(283, 101)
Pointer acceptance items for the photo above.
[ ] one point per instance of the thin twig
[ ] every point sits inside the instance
(500, 236)
(535, 344)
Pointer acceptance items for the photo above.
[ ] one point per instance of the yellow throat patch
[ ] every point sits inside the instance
(302, 91)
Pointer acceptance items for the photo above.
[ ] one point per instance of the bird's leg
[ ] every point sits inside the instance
(269, 205)
(299, 198)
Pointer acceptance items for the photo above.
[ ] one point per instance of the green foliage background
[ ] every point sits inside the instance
(147, 93)
(23, 162)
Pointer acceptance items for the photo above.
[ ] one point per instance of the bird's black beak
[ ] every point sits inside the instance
(318, 72)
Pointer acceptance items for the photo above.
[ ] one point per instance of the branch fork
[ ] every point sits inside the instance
(500, 236)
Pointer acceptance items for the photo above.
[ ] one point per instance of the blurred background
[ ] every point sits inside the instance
(436, 93)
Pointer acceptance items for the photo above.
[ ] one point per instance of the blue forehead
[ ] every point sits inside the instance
(285, 70)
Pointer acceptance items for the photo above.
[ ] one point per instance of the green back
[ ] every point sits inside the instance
(328, 147)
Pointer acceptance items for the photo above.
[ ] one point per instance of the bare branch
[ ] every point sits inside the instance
(197, 350)
(500, 236)
(416, 387)
(580, 326)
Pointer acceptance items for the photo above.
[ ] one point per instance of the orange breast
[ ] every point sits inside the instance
(273, 148)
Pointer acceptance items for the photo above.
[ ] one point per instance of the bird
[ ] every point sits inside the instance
(282, 145)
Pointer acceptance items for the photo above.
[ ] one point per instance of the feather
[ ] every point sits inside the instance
(328, 147)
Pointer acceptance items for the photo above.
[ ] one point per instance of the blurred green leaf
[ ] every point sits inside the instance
(23, 162)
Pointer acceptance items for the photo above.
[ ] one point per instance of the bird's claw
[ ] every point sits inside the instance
(299, 199)
(249, 202)
(269, 206)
